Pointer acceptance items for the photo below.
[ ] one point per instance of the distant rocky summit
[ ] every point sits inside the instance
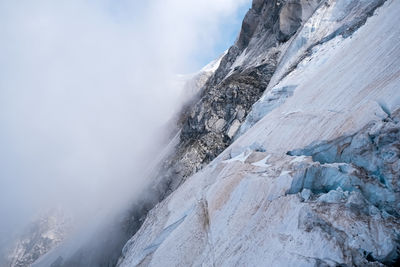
(42, 235)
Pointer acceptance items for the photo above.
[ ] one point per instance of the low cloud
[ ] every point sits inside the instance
(84, 88)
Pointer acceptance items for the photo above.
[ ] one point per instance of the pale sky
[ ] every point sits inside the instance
(230, 29)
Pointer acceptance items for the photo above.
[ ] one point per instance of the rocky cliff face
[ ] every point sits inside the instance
(245, 72)
(294, 142)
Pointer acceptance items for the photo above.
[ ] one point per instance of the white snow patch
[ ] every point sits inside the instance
(262, 163)
(241, 157)
(299, 159)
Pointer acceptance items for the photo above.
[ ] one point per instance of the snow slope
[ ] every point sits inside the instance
(285, 193)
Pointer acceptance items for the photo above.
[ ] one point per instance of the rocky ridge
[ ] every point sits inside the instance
(264, 49)
(42, 235)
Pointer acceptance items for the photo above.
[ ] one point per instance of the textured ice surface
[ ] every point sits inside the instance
(317, 208)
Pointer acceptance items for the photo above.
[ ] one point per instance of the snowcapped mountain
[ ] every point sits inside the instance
(286, 152)
(291, 154)
(43, 234)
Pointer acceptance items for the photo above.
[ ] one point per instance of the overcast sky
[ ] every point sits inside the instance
(85, 86)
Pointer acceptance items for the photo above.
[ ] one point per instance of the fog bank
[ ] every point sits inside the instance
(85, 87)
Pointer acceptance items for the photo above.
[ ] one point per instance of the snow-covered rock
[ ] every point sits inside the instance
(42, 235)
(194, 83)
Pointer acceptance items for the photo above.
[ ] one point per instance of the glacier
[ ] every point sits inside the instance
(311, 178)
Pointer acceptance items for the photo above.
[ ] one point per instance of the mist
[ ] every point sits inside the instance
(85, 87)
